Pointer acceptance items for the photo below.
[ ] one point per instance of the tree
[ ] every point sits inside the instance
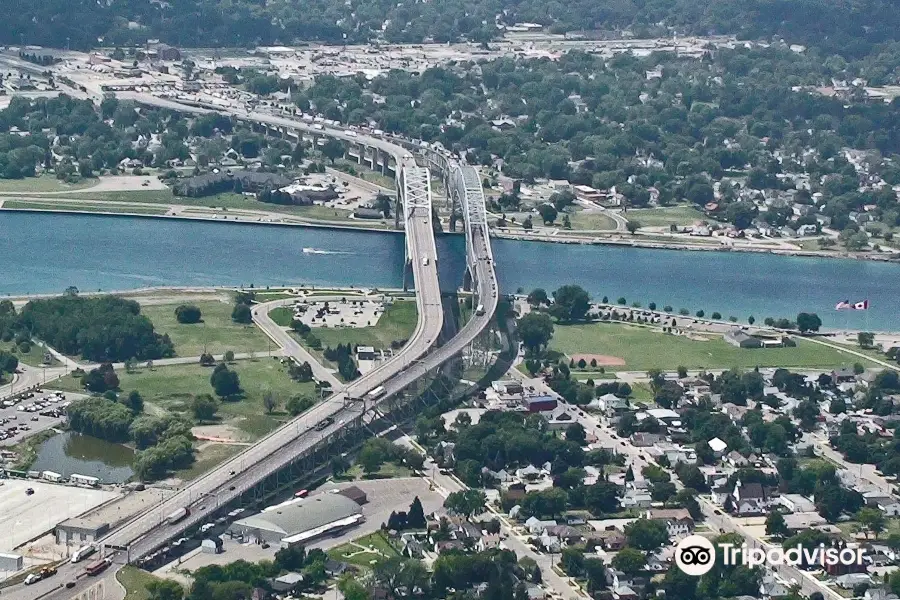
(371, 458)
(224, 381)
(269, 401)
(134, 402)
(187, 314)
(333, 149)
(865, 339)
(576, 433)
(630, 561)
(808, 322)
(646, 535)
(165, 589)
(416, 516)
(668, 395)
(632, 226)
(538, 297)
(776, 526)
(466, 502)
(204, 407)
(290, 558)
(241, 314)
(535, 330)
(871, 519)
(299, 404)
(548, 213)
(570, 303)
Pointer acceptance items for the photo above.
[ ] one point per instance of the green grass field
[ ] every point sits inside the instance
(135, 582)
(171, 389)
(282, 315)
(590, 221)
(217, 333)
(397, 323)
(206, 458)
(663, 217)
(34, 357)
(42, 184)
(84, 207)
(227, 200)
(644, 348)
(367, 551)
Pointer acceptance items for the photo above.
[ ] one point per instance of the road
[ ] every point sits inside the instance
(290, 346)
(227, 481)
(446, 484)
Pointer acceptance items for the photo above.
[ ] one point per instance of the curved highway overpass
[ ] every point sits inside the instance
(142, 535)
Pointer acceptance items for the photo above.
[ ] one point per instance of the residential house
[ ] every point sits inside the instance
(610, 404)
(796, 503)
(488, 542)
(851, 580)
(771, 587)
(611, 539)
(843, 375)
(749, 499)
(642, 439)
(566, 533)
(636, 499)
(536, 526)
(679, 522)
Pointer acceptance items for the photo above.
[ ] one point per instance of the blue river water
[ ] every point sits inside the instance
(45, 253)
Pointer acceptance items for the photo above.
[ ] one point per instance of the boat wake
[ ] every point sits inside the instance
(319, 251)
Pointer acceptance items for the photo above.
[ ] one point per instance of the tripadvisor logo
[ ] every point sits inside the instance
(696, 555)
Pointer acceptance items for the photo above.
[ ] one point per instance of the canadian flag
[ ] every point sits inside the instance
(864, 305)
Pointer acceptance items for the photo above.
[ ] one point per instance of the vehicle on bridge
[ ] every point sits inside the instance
(178, 515)
(324, 423)
(479, 310)
(376, 393)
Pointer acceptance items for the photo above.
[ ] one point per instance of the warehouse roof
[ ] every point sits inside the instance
(309, 513)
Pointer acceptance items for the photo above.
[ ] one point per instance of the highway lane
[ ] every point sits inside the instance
(274, 451)
(150, 530)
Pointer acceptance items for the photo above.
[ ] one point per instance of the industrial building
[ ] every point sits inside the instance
(300, 521)
(79, 531)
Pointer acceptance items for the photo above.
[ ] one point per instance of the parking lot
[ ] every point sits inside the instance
(24, 516)
(352, 313)
(20, 418)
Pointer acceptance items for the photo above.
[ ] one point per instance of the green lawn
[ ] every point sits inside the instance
(363, 172)
(397, 323)
(367, 551)
(171, 388)
(644, 348)
(44, 183)
(34, 357)
(84, 207)
(135, 582)
(217, 333)
(227, 200)
(388, 470)
(591, 221)
(282, 315)
(663, 217)
(206, 458)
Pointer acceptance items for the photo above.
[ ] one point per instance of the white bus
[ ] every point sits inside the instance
(376, 393)
(479, 310)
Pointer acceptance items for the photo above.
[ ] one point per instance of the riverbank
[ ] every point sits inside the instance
(693, 247)
(153, 211)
